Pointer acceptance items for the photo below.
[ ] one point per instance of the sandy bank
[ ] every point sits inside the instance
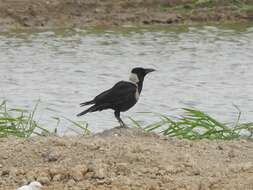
(126, 159)
(81, 13)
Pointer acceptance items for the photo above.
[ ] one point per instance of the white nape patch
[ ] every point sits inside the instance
(137, 94)
(134, 78)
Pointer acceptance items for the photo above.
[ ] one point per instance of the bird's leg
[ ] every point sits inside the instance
(117, 115)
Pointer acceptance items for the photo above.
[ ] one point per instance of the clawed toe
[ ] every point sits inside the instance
(123, 125)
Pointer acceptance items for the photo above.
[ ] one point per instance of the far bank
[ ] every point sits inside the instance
(77, 13)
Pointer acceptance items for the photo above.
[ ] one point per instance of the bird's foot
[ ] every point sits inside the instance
(123, 125)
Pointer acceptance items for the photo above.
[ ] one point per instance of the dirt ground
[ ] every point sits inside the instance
(80, 13)
(126, 159)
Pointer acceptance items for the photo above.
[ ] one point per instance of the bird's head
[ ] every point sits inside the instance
(138, 74)
(35, 185)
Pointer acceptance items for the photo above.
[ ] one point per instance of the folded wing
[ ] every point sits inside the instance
(120, 97)
(120, 92)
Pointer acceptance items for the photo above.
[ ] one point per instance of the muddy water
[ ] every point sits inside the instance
(210, 68)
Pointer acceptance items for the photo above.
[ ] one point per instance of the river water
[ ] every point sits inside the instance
(206, 67)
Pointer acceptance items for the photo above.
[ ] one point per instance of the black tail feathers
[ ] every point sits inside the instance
(82, 113)
(95, 108)
(91, 109)
(87, 103)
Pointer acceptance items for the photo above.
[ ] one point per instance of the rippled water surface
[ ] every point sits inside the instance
(210, 68)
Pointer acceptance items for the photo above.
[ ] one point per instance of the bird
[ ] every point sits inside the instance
(121, 97)
(35, 185)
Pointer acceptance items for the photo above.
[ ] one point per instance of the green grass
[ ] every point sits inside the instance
(22, 123)
(195, 124)
(17, 122)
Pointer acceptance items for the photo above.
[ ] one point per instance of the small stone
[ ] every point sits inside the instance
(20, 172)
(30, 175)
(5, 173)
(123, 169)
(44, 177)
(76, 174)
(44, 180)
(98, 169)
(219, 147)
(167, 179)
(100, 173)
(51, 156)
(123, 180)
(196, 171)
(173, 169)
(248, 166)
(57, 177)
(153, 186)
(231, 154)
(13, 172)
(5, 157)
(83, 168)
(71, 182)
(59, 142)
(244, 140)
(53, 171)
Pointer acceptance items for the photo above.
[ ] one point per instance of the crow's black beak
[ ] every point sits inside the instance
(149, 71)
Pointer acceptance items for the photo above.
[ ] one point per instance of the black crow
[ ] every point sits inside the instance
(121, 97)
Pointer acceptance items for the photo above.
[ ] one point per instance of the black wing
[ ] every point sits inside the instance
(120, 97)
(118, 93)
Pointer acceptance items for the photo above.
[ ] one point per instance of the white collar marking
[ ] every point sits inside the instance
(134, 79)
(137, 94)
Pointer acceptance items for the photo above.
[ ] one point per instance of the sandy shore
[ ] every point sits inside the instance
(80, 13)
(126, 159)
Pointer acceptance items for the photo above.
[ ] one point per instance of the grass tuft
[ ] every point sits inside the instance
(195, 124)
(22, 123)
(17, 122)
